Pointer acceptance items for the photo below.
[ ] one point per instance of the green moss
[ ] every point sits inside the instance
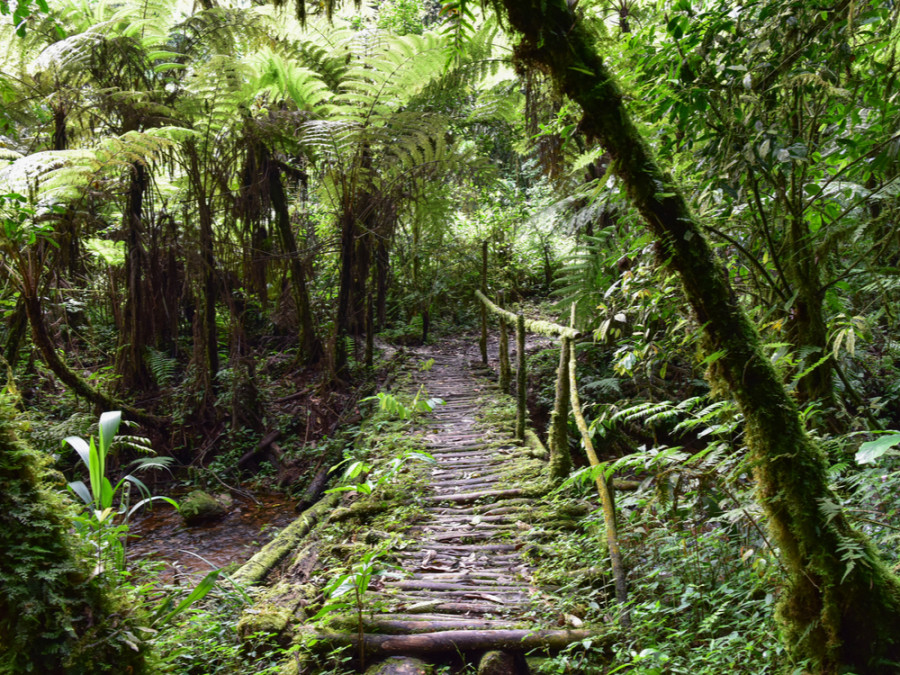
(55, 616)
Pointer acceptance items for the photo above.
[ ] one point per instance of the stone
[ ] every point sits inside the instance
(498, 663)
(400, 665)
(199, 507)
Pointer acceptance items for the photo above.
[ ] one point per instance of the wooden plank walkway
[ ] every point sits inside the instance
(467, 584)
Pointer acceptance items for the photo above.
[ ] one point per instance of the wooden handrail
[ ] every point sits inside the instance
(547, 328)
(566, 400)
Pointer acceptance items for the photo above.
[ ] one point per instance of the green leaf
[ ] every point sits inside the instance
(199, 592)
(872, 450)
(109, 426)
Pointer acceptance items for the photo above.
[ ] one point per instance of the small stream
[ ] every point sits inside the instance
(161, 534)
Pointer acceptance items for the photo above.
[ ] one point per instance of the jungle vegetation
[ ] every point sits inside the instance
(216, 214)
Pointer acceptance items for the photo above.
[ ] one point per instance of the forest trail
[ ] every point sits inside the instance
(463, 581)
(466, 568)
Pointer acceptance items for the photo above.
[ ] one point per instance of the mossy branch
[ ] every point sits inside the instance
(547, 328)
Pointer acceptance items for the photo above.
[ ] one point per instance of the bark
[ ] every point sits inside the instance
(18, 322)
(833, 613)
(136, 325)
(560, 459)
(547, 328)
(473, 496)
(521, 378)
(256, 569)
(208, 335)
(309, 339)
(807, 323)
(458, 640)
(345, 284)
(382, 271)
(503, 356)
(482, 341)
(604, 490)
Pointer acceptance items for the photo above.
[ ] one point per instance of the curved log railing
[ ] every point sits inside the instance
(566, 398)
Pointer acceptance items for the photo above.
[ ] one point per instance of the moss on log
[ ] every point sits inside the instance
(537, 449)
(55, 615)
(258, 567)
(547, 328)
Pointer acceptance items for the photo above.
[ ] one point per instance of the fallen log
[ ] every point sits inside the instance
(455, 641)
(414, 624)
(267, 441)
(258, 567)
(472, 496)
(314, 490)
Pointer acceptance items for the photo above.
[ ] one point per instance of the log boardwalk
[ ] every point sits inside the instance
(464, 581)
(467, 584)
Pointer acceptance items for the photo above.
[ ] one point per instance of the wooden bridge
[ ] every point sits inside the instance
(459, 557)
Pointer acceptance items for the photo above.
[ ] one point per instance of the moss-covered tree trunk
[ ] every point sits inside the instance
(55, 617)
(44, 342)
(837, 614)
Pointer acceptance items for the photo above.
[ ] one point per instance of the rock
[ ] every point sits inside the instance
(400, 665)
(199, 507)
(500, 663)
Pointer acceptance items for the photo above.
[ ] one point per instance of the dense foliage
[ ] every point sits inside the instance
(209, 212)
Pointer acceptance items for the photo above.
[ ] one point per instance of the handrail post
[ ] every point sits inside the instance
(482, 343)
(560, 458)
(503, 356)
(521, 393)
(605, 488)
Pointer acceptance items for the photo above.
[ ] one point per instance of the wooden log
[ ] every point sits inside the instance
(482, 585)
(258, 567)
(560, 459)
(260, 448)
(314, 490)
(456, 641)
(604, 488)
(482, 342)
(503, 355)
(521, 381)
(472, 496)
(547, 328)
(413, 625)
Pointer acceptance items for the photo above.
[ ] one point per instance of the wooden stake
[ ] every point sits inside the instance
(503, 355)
(482, 343)
(521, 393)
(560, 459)
(604, 488)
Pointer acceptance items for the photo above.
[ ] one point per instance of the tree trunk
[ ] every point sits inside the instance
(834, 613)
(807, 321)
(382, 270)
(69, 377)
(15, 332)
(309, 340)
(208, 272)
(136, 326)
(345, 288)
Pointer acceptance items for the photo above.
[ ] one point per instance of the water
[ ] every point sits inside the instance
(161, 534)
